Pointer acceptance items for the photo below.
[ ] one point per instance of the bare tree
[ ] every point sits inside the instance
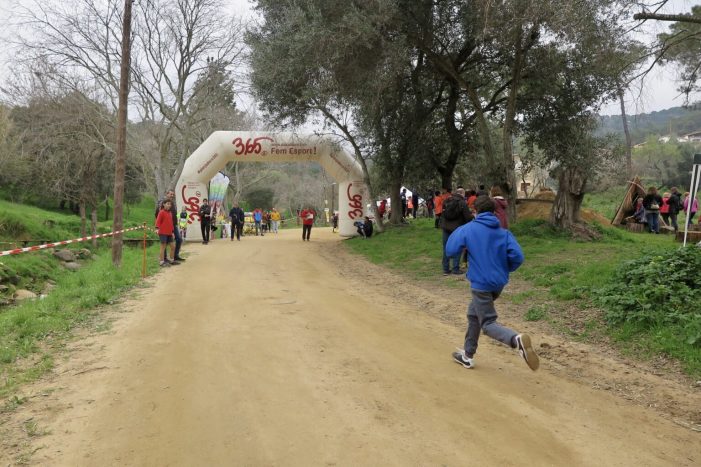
(172, 41)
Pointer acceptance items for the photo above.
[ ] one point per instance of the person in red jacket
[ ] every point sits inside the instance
(166, 229)
(501, 206)
(307, 215)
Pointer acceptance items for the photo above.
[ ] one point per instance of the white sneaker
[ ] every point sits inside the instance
(525, 349)
(460, 357)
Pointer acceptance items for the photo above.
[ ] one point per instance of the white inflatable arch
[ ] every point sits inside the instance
(227, 146)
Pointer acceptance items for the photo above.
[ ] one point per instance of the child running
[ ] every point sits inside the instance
(493, 253)
(164, 224)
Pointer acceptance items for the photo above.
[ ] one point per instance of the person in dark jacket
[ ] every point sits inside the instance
(652, 202)
(451, 222)
(170, 196)
(675, 205)
(493, 253)
(237, 220)
(205, 220)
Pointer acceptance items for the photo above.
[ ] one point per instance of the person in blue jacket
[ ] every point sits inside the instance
(493, 253)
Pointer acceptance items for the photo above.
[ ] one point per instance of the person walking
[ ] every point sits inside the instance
(257, 220)
(307, 215)
(205, 220)
(652, 202)
(455, 213)
(237, 219)
(493, 253)
(275, 220)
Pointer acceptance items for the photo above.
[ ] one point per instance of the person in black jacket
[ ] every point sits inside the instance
(205, 220)
(652, 202)
(237, 219)
(675, 205)
(455, 213)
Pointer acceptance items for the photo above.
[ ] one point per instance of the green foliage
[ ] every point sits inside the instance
(660, 289)
(536, 313)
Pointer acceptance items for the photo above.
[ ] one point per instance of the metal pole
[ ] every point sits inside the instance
(695, 175)
(143, 263)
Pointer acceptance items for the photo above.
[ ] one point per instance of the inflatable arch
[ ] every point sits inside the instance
(228, 146)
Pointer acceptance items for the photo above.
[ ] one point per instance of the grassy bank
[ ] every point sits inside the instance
(566, 276)
(31, 331)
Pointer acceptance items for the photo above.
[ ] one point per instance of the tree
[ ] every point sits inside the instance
(172, 43)
(681, 46)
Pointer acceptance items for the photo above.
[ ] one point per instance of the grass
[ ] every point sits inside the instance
(29, 330)
(564, 274)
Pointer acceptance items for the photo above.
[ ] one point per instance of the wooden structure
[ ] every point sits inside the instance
(627, 207)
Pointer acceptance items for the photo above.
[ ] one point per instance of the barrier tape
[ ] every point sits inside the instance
(17, 251)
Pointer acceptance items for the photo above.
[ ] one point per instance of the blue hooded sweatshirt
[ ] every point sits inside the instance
(493, 252)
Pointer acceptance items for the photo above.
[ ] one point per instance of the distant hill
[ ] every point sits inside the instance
(681, 120)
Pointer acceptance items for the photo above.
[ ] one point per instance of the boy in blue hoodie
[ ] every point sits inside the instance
(493, 253)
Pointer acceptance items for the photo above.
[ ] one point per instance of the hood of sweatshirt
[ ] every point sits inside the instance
(488, 219)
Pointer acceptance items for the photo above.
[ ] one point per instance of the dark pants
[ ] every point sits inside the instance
(204, 227)
(178, 243)
(306, 230)
(446, 259)
(482, 316)
(236, 227)
(438, 221)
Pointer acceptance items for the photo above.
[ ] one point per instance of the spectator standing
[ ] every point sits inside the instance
(471, 196)
(481, 191)
(414, 203)
(675, 205)
(402, 195)
(664, 207)
(170, 196)
(307, 215)
(182, 223)
(237, 220)
(205, 213)
(652, 202)
(694, 207)
(493, 254)
(382, 208)
(429, 205)
(438, 204)
(455, 213)
(166, 232)
(500, 205)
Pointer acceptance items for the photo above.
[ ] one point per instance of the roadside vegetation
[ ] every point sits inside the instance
(31, 331)
(636, 290)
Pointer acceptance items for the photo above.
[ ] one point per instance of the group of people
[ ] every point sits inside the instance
(649, 208)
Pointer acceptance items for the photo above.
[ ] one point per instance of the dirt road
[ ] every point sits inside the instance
(263, 352)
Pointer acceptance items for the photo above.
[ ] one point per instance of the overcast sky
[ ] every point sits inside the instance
(658, 91)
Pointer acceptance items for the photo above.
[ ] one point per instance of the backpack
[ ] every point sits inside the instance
(452, 208)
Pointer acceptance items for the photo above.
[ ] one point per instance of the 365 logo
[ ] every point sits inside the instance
(251, 146)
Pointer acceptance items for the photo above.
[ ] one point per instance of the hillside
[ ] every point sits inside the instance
(681, 120)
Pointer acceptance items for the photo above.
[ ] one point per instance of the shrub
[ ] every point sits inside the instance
(660, 290)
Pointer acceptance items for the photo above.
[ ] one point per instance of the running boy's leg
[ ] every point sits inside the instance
(483, 308)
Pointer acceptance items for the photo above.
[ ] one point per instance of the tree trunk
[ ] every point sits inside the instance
(396, 202)
(93, 225)
(81, 209)
(446, 178)
(107, 207)
(626, 130)
(572, 182)
(120, 156)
